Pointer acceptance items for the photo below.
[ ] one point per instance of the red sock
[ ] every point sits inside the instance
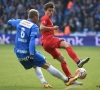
(72, 54)
(66, 70)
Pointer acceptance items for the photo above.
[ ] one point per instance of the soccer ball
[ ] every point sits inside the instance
(81, 73)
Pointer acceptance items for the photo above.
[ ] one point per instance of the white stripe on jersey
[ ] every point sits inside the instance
(26, 23)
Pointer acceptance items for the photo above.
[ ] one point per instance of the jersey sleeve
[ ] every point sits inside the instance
(14, 22)
(44, 20)
(32, 45)
(33, 34)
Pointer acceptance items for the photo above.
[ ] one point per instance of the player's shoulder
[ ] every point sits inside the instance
(35, 26)
(45, 17)
(26, 23)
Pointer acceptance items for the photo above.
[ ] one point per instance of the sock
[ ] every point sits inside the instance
(39, 74)
(78, 62)
(56, 73)
(72, 54)
(66, 70)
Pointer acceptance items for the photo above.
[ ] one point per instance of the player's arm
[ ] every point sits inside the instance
(33, 35)
(32, 45)
(13, 22)
(43, 27)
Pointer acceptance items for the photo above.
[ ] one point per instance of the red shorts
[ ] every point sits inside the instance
(51, 44)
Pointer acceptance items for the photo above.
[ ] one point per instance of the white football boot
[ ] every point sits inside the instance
(82, 62)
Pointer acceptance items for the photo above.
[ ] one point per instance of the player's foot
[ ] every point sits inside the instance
(77, 83)
(71, 80)
(82, 62)
(47, 85)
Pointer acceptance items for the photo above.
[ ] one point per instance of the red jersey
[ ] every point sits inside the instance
(49, 42)
(47, 22)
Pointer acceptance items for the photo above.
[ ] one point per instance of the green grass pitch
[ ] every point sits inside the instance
(14, 77)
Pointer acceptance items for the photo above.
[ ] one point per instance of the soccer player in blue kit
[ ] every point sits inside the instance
(26, 53)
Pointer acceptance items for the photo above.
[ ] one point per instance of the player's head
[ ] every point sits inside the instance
(33, 15)
(49, 8)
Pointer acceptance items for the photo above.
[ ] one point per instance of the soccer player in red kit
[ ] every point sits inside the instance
(51, 43)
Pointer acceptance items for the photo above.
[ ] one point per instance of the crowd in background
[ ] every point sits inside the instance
(81, 16)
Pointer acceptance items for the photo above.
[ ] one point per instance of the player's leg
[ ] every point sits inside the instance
(57, 55)
(64, 66)
(50, 48)
(40, 75)
(40, 61)
(52, 70)
(27, 64)
(72, 54)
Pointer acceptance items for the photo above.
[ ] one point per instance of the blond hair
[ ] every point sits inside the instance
(32, 13)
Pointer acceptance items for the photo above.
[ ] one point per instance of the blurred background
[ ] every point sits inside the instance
(74, 17)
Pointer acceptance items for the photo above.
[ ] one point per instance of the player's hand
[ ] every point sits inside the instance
(31, 57)
(56, 27)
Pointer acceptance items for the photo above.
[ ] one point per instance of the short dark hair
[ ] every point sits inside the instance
(49, 5)
(32, 13)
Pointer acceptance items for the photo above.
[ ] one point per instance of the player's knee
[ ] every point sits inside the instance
(61, 59)
(46, 65)
(64, 44)
(34, 67)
